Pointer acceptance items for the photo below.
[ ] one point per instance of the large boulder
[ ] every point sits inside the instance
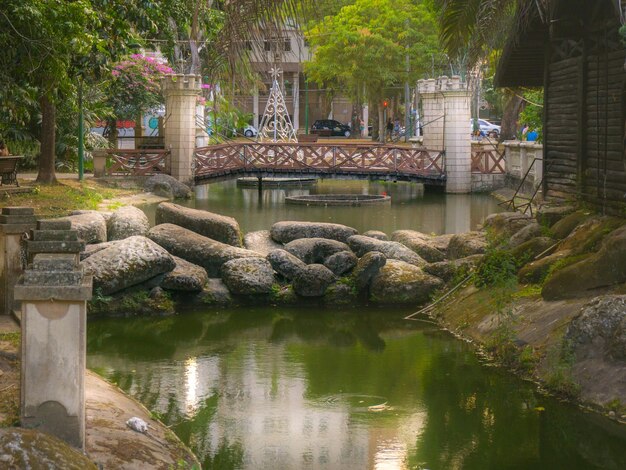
(341, 263)
(215, 293)
(536, 271)
(588, 236)
(448, 270)
(377, 234)
(505, 224)
(217, 227)
(532, 230)
(392, 250)
(106, 214)
(91, 226)
(315, 250)
(168, 184)
(190, 246)
(403, 283)
(601, 323)
(96, 247)
(126, 222)
(567, 224)
(285, 232)
(420, 243)
(313, 281)
(367, 268)
(285, 264)
(467, 244)
(261, 242)
(605, 268)
(185, 276)
(442, 242)
(248, 276)
(340, 293)
(549, 215)
(531, 249)
(127, 264)
(32, 449)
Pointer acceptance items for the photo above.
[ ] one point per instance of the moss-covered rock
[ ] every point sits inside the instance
(313, 280)
(548, 215)
(449, 270)
(528, 251)
(588, 236)
(467, 244)
(214, 293)
(248, 276)
(536, 271)
(136, 301)
(27, 448)
(505, 224)
(403, 283)
(420, 243)
(605, 268)
(567, 224)
(341, 293)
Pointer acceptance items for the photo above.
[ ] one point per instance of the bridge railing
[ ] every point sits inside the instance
(487, 159)
(139, 162)
(318, 157)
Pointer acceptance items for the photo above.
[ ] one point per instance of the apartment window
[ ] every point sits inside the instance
(277, 45)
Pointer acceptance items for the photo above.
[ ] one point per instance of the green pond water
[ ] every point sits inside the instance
(412, 206)
(268, 388)
(283, 388)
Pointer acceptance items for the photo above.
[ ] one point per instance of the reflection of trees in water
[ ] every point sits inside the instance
(475, 423)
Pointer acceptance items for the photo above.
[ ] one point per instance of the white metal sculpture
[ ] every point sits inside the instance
(276, 124)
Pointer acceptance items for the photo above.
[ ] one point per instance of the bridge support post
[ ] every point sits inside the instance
(181, 92)
(447, 113)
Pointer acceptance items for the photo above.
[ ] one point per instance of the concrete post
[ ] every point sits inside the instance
(14, 222)
(296, 101)
(180, 93)
(447, 113)
(255, 109)
(54, 293)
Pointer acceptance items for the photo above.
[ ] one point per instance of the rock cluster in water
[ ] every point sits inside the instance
(200, 256)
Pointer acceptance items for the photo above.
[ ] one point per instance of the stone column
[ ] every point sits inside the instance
(446, 108)
(14, 222)
(458, 145)
(180, 93)
(202, 138)
(54, 293)
(433, 114)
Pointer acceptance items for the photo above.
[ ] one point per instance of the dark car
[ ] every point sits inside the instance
(330, 127)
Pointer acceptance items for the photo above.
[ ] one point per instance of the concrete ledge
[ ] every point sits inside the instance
(38, 293)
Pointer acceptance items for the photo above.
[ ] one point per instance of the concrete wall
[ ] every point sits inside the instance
(519, 158)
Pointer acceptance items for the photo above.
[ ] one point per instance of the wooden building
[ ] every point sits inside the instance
(574, 49)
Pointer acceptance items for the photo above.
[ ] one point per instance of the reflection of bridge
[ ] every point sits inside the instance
(360, 161)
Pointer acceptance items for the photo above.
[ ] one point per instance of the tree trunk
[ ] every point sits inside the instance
(46, 173)
(513, 106)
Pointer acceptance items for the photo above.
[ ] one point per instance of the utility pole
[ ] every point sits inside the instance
(81, 132)
(407, 107)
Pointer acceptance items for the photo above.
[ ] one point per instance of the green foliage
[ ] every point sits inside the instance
(533, 112)
(362, 47)
(558, 378)
(496, 269)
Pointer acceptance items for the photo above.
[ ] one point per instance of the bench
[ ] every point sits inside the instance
(307, 137)
(8, 170)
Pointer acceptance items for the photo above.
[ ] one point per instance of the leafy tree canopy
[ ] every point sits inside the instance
(363, 46)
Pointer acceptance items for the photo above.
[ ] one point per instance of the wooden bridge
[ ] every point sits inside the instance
(354, 161)
(327, 160)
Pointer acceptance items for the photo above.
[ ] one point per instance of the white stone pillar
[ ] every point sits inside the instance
(433, 114)
(458, 146)
(296, 101)
(202, 138)
(14, 222)
(54, 293)
(181, 92)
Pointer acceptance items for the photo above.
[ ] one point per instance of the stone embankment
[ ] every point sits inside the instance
(197, 256)
(548, 300)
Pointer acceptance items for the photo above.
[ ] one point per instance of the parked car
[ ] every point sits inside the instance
(330, 127)
(248, 131)
(486, 128)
